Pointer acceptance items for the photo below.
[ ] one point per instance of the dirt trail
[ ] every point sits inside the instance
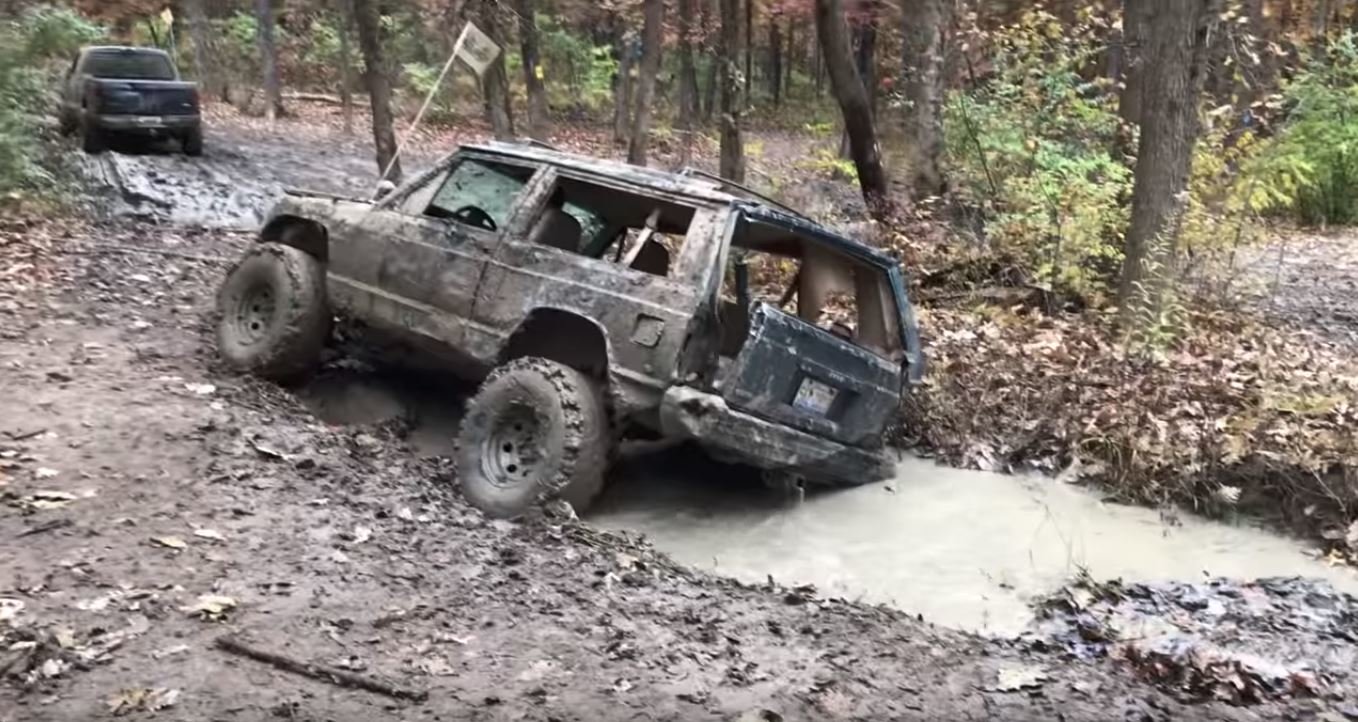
(154, 501)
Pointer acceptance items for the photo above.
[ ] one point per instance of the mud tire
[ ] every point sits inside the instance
(273, 316)
(92, 138)
(557, 415)
(192, 142)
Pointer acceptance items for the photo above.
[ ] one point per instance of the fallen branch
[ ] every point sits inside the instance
(46, 527)
(314, 98)
(97, 248)
(22, 435)
(321, 672)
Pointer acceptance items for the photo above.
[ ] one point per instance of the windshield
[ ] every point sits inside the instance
(129, 65)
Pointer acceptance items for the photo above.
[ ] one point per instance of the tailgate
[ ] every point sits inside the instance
(796, 374)
(147, 97)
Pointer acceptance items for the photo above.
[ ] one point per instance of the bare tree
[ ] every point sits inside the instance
(924, 43)
(622, 84)
(848, 88)
(495, 82)
(377, 78)
(652, 35)
(732, 93)
(1134, 21)
(532, 69)
(268, 54)
(202, 44)
(688, 77)
(1174, 68)
(346, 26)
(714, 64)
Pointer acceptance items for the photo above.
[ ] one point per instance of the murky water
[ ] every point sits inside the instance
(963, 548)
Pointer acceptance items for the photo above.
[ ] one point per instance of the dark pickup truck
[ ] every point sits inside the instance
(129, 91)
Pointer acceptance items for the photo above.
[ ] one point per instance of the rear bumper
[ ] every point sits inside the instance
(705, 418)
(148, 124)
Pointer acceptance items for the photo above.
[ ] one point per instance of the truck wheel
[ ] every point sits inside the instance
(92, 138)
(274, 317)
(192, 142)
(535, 430)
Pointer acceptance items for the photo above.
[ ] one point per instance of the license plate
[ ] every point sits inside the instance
(815, 396)
(149, 120)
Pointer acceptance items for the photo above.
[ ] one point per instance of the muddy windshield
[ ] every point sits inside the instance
(819, 283)
(129, 65)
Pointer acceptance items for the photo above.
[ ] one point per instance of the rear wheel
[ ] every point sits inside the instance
(274, 317)
(92, 138)
(192, 142)
(536, 430)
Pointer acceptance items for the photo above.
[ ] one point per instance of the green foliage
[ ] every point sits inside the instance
(1031, 149)
(1311, 166)
(579, 73)
(829, 163)
(32, 47)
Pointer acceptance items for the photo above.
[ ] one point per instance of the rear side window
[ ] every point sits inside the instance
(129, 65)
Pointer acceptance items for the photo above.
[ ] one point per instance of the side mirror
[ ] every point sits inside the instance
(383, 189)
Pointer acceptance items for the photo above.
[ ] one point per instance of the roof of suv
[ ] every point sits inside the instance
(123, 49)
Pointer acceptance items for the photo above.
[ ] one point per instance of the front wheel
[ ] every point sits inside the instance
(535, 431)
(273, 314)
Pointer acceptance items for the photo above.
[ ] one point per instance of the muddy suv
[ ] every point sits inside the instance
(596, 300)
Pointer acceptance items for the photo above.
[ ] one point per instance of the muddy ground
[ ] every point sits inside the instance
(154, 502)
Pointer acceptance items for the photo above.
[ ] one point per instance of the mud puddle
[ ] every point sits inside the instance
(965, 549)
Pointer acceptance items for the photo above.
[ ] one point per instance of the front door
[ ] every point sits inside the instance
(428, 251)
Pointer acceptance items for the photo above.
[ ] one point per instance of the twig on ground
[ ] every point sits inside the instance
(321, 672)
(23, 435)
(45, 527)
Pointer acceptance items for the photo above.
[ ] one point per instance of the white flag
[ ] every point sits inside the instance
(477, 50)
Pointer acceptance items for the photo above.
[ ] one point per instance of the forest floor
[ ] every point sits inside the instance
(153, 502)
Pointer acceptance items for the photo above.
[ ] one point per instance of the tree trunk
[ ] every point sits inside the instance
(833, 32)
(710, 87)
(532, 69)
(346, 25)
(688, 79)
(202, 49)
(268, 55)
(924, 40)
(378, 81)
(790, 56)
(865, 51)
(748, 83)
(622, 87)
(1134, 28)
(652, 35)
(1178, 37)
(775, 72)
(732, 93)
(495, 83)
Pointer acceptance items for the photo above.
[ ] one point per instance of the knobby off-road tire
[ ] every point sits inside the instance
(273, 314)
(536, 430)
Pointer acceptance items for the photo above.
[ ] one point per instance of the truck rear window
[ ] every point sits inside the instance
(129, 66)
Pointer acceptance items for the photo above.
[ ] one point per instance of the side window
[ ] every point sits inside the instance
(479, 193)
(632, 230)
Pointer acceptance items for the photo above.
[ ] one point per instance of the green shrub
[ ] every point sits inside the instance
(33, 46)
(1313, 160)
(1031, 150)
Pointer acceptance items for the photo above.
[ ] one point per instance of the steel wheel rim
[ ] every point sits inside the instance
(253, 314)
(512, 451)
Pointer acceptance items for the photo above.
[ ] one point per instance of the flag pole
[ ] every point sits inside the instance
(428, 100)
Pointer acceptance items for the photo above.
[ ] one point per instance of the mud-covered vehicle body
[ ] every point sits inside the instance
(601, 297)
(130, 91)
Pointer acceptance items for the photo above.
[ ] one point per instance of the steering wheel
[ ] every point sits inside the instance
(473, 216)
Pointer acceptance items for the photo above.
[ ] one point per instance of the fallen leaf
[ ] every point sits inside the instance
(171, 542)
(10, 608)
(210, 607)
(1013, 679)
(43, 472)
(170, 651)
(142, 699)
(362, 534)
(435, 667)
(201, 389)
(212, 534)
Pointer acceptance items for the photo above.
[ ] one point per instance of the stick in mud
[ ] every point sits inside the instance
(321, 672)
